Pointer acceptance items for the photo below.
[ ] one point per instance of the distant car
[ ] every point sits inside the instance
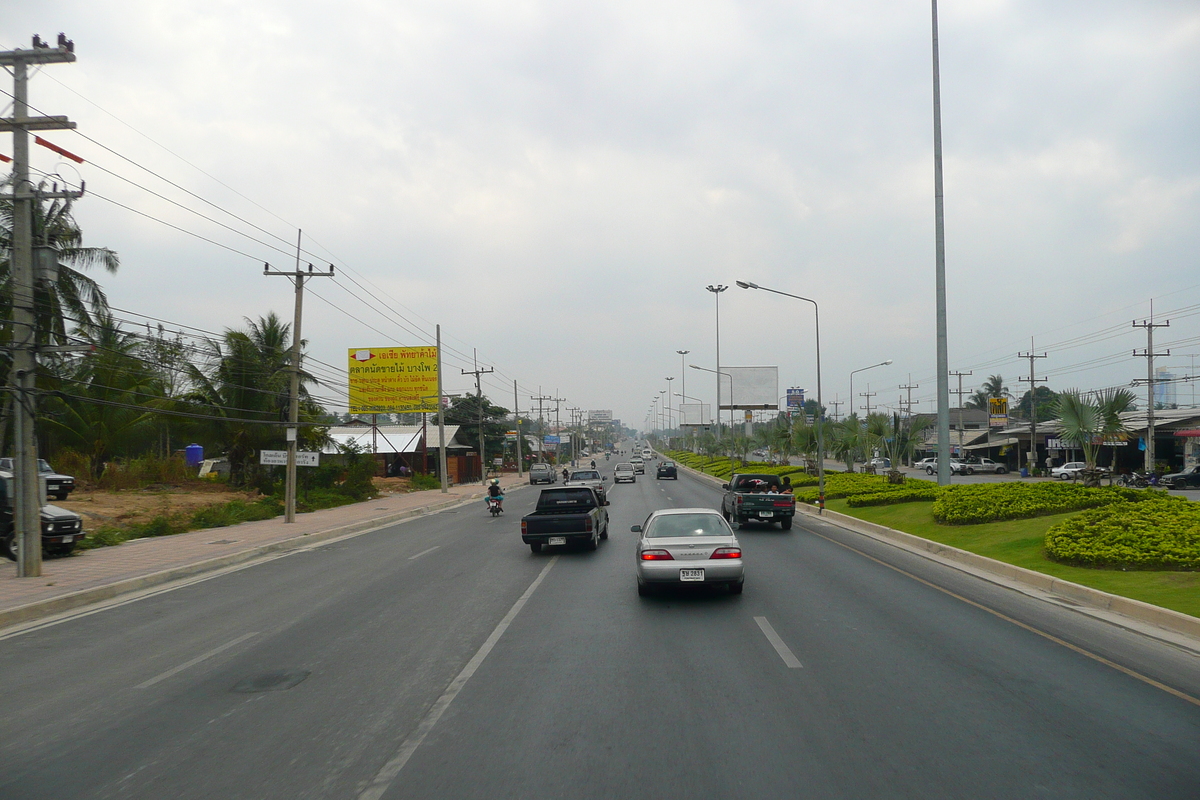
(931, 467)
(1070, 470)
(880, 463)
(927, 464)
(647, 454)
(680, 546)
(667, 469)
(542, 473)
(971, 466)
(590, 478)
(57, 486)
(1187, 479)
(623, 473)
(639, 466)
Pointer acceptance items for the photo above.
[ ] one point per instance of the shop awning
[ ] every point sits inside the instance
(1190, 433)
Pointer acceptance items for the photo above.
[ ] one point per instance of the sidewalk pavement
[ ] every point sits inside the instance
(106, 572)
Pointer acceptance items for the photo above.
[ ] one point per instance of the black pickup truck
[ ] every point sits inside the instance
(61, 529)
(757, 497)
(570, 514)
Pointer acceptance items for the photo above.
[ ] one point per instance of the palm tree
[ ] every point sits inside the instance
(1089, 423)
(992, 387)
(847, 439)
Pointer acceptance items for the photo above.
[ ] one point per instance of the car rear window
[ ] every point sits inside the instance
(672, 525)
(585, 476)
(566, 500)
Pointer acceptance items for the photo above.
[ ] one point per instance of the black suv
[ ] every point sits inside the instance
(57, 486)
(666, 469)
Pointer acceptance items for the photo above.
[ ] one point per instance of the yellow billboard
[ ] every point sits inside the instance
(393, 380)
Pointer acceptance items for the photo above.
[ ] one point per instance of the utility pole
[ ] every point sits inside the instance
(836, 405)
(573, 411)
(517, 420)
(908, 403)
(297, 278)
(541, 422)
(1033, 381)
(867, 394)
(960, 394)
(479, 399)
(441, 406)
(1149, 355)
(27, 502)
(558, 401)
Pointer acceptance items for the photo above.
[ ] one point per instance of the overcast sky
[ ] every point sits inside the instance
(556, 182)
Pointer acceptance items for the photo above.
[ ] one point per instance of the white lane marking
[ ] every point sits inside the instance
(424, 552)
(784, 651)
(383, 779)
(164, 675)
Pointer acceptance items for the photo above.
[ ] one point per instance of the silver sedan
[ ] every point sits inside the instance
(687, 546)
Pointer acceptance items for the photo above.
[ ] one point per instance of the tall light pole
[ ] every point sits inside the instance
(939, 235)
(716, 290)
(669, 379)
(864, 369)
(820, 405)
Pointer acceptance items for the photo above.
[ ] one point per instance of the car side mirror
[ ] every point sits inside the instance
(725, 486)
(635, 528)
(603, 479)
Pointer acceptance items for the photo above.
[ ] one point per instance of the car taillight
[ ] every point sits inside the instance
(784, 503)
(524, 526)
(737, 498)
(587, 526)
(656, 555)
(727, 552)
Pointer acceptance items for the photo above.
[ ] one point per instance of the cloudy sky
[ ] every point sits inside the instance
(556, 182)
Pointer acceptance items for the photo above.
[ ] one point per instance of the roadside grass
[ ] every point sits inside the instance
(1021, 542)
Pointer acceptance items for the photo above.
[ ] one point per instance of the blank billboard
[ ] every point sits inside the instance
(695, 413)
(753, 388)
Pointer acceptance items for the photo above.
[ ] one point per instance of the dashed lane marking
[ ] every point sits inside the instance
(424, 552)
(162, 676)
(785, 652)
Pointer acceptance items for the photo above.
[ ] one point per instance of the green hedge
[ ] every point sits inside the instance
(910, 491)
(846, 484)
(720, 467)
(1162, 532)
(990, 502)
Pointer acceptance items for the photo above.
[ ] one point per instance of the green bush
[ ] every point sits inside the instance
(421, 482)
(1162, 532)
(847, 484)
(910, 491)
(990, 502)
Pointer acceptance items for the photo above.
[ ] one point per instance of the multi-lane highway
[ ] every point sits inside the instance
(439, 658)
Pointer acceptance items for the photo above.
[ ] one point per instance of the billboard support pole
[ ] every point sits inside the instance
(441, 418)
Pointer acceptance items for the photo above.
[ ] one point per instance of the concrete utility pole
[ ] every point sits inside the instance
(868, 395)
(960, 394)
(27, 502)
(297, 278)
(1033, 381)
(908, 403)
(541, 422)
(558, 401)
(716, 290)
(479, 398)
(573, 411)
(1149, 355)
(836, 405)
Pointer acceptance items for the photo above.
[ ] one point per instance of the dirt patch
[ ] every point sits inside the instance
(134, 506)
(387, 486)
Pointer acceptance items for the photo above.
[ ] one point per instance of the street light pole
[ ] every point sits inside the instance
(820, 404)
(669, 379)
(731, 402)
(716, 290)
(863, 369)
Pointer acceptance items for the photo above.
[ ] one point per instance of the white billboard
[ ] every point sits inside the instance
(695, 413)
(753, 388)
(601, 415)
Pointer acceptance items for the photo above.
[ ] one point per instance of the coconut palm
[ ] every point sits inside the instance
(992, 387)
(1088, 423)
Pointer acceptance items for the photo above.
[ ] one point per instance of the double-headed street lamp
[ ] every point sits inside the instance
(820, 406)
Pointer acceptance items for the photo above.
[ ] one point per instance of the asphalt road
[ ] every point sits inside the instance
(439, 658)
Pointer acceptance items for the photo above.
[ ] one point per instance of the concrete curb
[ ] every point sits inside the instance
(965, 560)
(68, 602)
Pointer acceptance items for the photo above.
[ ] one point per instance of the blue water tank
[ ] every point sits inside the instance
(193, 454)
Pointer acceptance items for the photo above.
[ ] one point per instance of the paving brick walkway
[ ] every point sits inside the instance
(105, 572)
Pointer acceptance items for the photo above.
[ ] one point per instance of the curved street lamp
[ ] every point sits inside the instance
(820, 405)
(716, 290)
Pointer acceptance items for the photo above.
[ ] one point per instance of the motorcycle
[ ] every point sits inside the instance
(494, 506)
(1136, 480)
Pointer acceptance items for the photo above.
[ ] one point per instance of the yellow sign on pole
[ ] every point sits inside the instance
(997, 412)
(393, 380)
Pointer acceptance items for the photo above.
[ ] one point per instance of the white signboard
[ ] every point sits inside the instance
(278, 458)
(695, 413)
(753, 388)
(601, 415)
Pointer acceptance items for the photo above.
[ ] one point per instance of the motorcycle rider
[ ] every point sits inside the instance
(593, 463)
(494, 492)
(566, 473)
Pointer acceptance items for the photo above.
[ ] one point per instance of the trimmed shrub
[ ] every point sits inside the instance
(845, 484)
(989, 502)
(910, 491)
(1162, 532)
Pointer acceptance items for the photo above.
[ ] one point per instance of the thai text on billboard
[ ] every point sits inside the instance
(393, 380)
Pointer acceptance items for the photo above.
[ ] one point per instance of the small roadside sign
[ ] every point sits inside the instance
(278, 458)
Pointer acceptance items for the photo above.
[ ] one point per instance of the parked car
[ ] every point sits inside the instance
(667, 469)
(679, 546)
(932, 467)
(1070, 470)
(1187, 479)
(880, 464)
(624, 472)
(61, 529)
(986, 465)
(927, 464)
(639, 466)
(542, 473)
(57, 486)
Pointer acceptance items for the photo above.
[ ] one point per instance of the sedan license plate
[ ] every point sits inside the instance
(691, 574)
(557, 540)
(766, 513)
